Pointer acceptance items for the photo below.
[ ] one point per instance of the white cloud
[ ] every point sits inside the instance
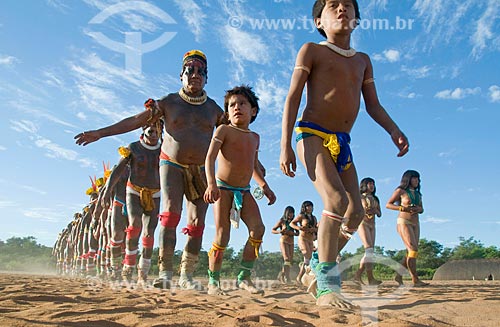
(390, 55)
(434, 220)
(53, 80)
(44, 214)
(420, 72)
(271, 95)
(102, 86)
(24, 126)
(138, 15)
(244, 46)
(54, 150)
(7, 204)
(81, 115)
(485, 28)
(8, 60)
(449, 153)
(32, 189)
(2, 148)
(457, 94)
(193, 15)
(58, 4)
(494, 93)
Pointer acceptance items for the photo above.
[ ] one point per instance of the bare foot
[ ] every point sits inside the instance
(187, 284)
(162, 283)
(333, 299)
(420, 283)
(374, 282)
(307, 278)
(215, 290)
(357, 279)
(399, 279)
(312, 288)
(250, 287)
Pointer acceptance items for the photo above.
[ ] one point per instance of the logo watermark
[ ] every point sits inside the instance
(307, 24)
(369, 299)
(133, 48)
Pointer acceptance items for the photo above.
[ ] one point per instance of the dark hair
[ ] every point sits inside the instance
(304, 205)
(248, 93)
(363, 186)
(406, 178)
(288, 210)
(318, 9)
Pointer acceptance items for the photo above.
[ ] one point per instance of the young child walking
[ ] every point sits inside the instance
(336, 76)
(236, 148)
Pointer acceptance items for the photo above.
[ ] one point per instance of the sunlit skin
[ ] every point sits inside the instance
(188, 129)
(366, 232)
(236, 149)
(408, 225)
(286, 244)
(306, 224)
(335, 85)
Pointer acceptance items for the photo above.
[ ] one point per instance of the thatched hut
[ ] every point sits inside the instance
(469, 269)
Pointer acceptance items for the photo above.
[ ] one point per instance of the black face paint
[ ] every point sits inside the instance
(195, 66)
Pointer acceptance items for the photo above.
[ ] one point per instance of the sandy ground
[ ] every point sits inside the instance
(48, 300)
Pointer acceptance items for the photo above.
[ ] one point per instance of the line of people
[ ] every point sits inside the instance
(189, 150)
(406, 199)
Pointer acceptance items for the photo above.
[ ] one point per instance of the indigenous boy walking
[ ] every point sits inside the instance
(336, 76)
(236, 147)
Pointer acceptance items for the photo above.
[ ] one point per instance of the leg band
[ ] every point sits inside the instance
(148, 241)
(412, 254)
(115, 242)
(328, 278)
(256, 245)
(188, 263)
(169, 219)
(333, 216)
(347, 232)
(130, 258)
(213, 277)
(193, 231)
(133, 232)
(217, 251)
(287, 263)
(245, 270)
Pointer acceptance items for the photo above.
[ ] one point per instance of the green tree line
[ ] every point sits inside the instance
(25, 254)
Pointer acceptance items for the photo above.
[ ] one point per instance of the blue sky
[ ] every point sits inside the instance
(64, 69)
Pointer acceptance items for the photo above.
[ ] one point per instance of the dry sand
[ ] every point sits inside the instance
(48, 300)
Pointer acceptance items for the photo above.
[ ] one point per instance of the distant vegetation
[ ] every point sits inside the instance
(25, 254)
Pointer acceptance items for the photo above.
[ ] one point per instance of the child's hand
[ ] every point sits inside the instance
(401, 142)
(287, 159)
(269, 194)
(212, 194)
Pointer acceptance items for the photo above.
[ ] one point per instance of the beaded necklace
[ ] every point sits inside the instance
(414, 196)
(193, 100)
(343, 52)
(240, 129)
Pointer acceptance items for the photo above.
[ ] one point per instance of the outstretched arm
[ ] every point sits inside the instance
(379, 114)
(123, 126)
